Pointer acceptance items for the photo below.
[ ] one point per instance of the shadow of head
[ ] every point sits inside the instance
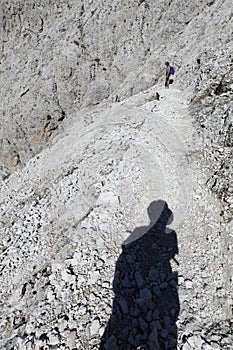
(160, 216)
(159, 212)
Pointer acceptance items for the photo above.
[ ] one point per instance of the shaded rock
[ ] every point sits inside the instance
(153, 340)
(123, 306)
(145, 293)
(139, 279)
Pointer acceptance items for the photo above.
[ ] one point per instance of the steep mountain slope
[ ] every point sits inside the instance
(79, 82)
(58, 57)
(66, 214)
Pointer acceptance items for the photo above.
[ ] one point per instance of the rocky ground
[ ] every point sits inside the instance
(61, 56)
(66, 217)
(116, 193)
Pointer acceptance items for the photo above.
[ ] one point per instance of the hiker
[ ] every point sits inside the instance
(169, 71)
(167, 74)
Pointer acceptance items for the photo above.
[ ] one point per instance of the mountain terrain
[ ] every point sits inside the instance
(116, 193)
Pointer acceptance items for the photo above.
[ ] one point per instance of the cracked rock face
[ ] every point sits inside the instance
(213, 109)
(116, 195)
(60, 57)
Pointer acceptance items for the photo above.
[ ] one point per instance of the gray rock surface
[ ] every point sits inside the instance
(58, 58)
(87, 147)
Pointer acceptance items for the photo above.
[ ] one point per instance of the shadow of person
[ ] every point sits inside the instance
(146, 304)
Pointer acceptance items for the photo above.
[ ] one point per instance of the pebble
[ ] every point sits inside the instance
(111, 343)
(164, 285)
(195, 342)
(139, 279)
(94, 275)
(126, 283)
(54, 339)
(167, 322)
(145, 293)
(164, 333)
(188, 284)
(124, 307)
(143, 324)
(153, 275)
(71, 340)
(95, 325)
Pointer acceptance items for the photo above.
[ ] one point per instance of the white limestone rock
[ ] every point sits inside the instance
(79, 83)
(95, 325)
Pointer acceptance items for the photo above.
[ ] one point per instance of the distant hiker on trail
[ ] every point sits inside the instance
(167, 74)
(169, 71)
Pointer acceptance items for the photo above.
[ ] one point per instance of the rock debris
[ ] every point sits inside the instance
(116, 193)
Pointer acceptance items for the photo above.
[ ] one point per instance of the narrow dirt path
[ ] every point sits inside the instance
(203, 245)
(173, 148)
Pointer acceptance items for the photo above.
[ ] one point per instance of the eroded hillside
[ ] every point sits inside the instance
(62, 56)
(92, 158)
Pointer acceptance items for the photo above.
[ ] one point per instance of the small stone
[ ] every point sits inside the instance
(162, 277)
(58, 310)
(180, 280)
(150, 304)
(215, 338)
(207, 347)
(54, 339)
(71, 340)
(139, 279)
(173, 312)
(94, 277)
(65, 276)
(195, 341)
(164, 333)
(100, 243)
(50, 296)
(107, 198)
(167, 322)
(172, 342)
(126, 283)
(145, 293)
(138, 338)
(149, 316)
(16, 295)
(215, 346)
(111, 343)
(105, 284)
(164, 285)
(153, 340)
(135, 311)
(134, 323)
(131, 339)
(188, 284)
(95, 325)
(143, 324)
(153, 275)
(156, 314)
(123, 306)
(101, 331)
(158, 325)
(62, 324)
(157, 291)
(125, 332)
(186, 346)
(144, 307)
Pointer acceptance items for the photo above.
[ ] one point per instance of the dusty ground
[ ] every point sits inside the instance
(72, 207)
